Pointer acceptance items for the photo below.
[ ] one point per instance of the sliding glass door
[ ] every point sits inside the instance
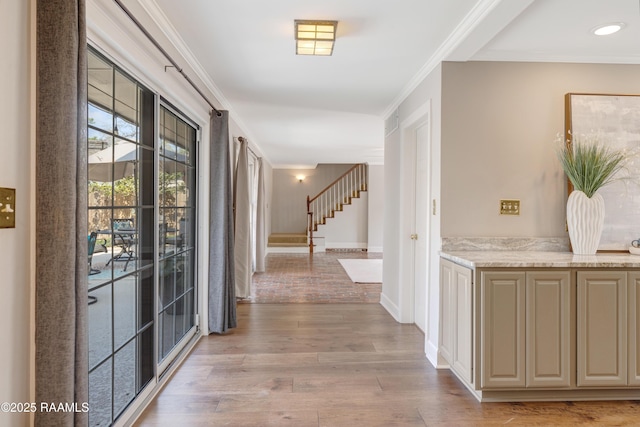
(141, 221)
(176, 230)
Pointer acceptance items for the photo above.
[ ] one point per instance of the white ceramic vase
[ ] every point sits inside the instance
(585, 218)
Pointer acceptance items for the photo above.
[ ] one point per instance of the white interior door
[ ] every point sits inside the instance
(421, 217)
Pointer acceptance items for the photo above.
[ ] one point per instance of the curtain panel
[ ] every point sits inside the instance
(222, 295)
(61, 359)
(260, 226)
(242, 208)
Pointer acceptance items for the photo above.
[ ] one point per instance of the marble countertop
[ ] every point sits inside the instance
(530, 259)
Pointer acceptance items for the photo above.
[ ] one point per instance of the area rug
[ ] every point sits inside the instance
(363, 270)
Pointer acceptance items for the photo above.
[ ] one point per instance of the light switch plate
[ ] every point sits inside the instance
(510, 207)
(7, 208)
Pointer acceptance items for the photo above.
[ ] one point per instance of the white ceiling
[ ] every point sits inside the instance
(303, 110)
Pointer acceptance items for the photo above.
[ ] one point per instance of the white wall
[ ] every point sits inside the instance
(348, 229)
(376, 208)
(397, 287)
(389, 296)
(16, 113)
(17, 120)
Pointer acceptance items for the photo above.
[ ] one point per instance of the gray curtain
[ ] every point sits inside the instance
(61, 365)
(260, 213)
(222, 295)
(242, 208)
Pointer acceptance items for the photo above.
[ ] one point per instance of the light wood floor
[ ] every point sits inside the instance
(339, 365)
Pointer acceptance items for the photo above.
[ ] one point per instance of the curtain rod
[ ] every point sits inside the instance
(243, 139)
(174, 64)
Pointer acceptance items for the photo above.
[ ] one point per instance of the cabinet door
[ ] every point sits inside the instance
(634, 329)
(463, 341)
(602, 328)
(502, 343)
(548, 329)
(447, 310)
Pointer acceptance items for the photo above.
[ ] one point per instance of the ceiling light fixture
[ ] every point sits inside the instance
(607, 29)
(315, 37)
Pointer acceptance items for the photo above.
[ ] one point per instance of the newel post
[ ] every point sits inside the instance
(310, 224)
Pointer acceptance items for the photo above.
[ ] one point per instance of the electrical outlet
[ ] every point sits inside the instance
(509, 207)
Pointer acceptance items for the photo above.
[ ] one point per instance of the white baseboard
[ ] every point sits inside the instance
(432, 353)
(390, 307)
(345, 245)
(374, 249)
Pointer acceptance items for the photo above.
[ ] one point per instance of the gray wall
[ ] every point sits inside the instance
(289, 197)
(493, 134)
(499, 125)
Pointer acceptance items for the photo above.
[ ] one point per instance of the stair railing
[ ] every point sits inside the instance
(334, 196)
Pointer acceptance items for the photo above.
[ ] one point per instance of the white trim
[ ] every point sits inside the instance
(432, 354)
(405, 279)
(164, 24)
(376, 249)
(151, 390)
(345, 245)
(391, 308)
(457, 36)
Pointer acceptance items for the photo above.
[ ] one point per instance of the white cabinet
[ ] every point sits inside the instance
(456, 313)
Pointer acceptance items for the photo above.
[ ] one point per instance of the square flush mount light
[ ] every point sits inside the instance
(315, 37)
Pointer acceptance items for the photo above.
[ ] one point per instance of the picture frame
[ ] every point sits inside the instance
(615, 120)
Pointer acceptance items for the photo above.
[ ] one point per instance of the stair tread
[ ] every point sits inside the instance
(287, 239)
(286, 245)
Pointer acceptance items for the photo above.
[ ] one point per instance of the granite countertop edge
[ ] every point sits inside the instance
(530, 259)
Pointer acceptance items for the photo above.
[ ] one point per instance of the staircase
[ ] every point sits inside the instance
(287, 240)
(334, 197)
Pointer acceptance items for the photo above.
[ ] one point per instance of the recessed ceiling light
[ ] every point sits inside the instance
(605, 30)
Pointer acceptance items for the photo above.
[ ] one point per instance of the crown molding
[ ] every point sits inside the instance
(164, 24)
(471, 20)
(166, 27)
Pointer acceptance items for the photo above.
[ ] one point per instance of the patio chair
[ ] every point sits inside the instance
(124, 237)
(175, 236)
(91, 246)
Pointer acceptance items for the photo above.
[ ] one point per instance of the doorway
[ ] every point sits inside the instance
(420, 225)
(415, 234)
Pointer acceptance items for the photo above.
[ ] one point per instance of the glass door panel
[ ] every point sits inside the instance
(121, 226)
(176, 244)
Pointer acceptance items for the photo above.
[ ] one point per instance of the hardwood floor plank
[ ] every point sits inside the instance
(237, 419)
(371, 417)
(332, 383)
(339, 365)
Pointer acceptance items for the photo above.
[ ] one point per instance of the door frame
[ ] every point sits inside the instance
(406, 277)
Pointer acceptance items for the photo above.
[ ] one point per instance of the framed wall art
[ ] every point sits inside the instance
(614, 120)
